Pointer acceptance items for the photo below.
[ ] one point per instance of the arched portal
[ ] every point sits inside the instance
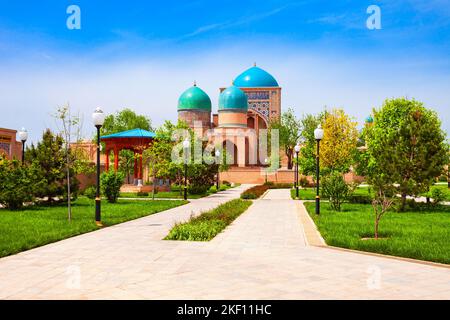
(231, 152)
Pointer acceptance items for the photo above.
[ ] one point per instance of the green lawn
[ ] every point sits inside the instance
(40, 225)
(423, 235)
(210, 223)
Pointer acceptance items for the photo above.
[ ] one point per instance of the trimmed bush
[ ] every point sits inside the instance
(210, 223)
(254, 192)
(437, 195)
(142, 194)
(303, 182)
(198, 189)
(359, 198)
(111, 183)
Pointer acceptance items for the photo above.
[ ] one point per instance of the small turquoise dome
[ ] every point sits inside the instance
(369, 119)
(255, 78)
(233, 98)
(194, 98)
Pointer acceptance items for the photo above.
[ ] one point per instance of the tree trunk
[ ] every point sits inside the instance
(376, 228)
(289, 164)
(403, 206)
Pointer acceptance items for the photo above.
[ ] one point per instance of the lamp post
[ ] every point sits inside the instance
(217, 154)
(23, 136)
(186, 146)
(318, 135)
(297, 150)
(98, 118)
(266, 161)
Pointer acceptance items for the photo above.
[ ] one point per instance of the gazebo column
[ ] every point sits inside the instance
(135, 171)
(107, 161)
(116, 159)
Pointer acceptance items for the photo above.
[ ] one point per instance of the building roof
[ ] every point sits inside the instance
(255, 77)
(233, 98)
(134, 133)
(194, 98)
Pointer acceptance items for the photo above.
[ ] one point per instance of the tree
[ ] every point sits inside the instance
(124, 120)
(17, 183)
(339, 141)
(307, 155)
(76, 161)
(406, 145)
(288, 127)
(50, 157)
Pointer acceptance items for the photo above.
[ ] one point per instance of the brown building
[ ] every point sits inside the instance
(9, 146)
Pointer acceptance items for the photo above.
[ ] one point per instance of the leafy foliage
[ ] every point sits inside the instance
(111, 182)
(254, 192)
(307, 155)
(288, 127)
(335, 189)
(406, 146)
(17, 183)
(339, 141)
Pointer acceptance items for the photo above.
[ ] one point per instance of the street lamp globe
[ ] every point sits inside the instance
(297, 148)
(186, 144)
(217, 153)
(98, 117)
(23, 135)
(318, 133)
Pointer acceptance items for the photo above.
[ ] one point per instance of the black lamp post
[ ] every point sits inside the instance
(297, 150)
(266, 161)
(217, 154)
(23, 136)
(98, 118)
(186, 146)
(318, 135)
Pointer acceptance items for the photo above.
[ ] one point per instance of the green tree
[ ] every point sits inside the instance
(50, 157)
(288, 127)
(307, 155)
(111, 183)
(17, 183)
(406, 146)
(339, 141)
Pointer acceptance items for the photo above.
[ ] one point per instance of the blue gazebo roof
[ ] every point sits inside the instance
(134, 133)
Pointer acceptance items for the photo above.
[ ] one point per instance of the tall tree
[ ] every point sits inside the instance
(307, 156)
(339, 141)
(406, 145)
(288, 127)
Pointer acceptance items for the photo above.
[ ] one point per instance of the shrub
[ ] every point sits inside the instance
(281, 186)
(437, 195)
(443, 178)
(303, 182)
(16, 183)
(269, 183)
(359, 198)
(335, 189)
(142, 194)
(90, 192)
(254, 192)
(210, 223)
(111, 183)
(198, 189)
(227, 183)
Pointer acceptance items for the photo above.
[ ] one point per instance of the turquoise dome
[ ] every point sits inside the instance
(194, 98)
(233, 98)
(369, 119)
(255, 78)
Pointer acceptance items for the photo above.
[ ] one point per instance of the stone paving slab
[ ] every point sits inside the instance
(262, 255)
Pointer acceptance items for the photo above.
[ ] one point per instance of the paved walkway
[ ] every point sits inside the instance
(262, 255)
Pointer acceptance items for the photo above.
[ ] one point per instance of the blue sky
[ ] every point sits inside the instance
(143, 54)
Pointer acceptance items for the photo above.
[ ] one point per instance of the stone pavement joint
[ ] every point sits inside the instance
(263, 254)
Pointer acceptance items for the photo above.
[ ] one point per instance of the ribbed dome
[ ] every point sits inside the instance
(369, 119)
(194, 98)
(255, 78)
(233, 98)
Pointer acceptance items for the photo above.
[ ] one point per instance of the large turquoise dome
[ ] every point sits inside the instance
(233, 98)
(194, 98)
(255, 78)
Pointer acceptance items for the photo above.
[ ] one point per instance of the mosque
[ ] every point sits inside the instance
(244, 108)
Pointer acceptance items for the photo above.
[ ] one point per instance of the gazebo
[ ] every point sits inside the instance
(136, 140)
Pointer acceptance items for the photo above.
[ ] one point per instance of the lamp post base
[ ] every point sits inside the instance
(296, 192)
(97, 210)
(317, 204)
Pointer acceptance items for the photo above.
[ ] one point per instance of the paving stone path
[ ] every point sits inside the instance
(263, 255)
